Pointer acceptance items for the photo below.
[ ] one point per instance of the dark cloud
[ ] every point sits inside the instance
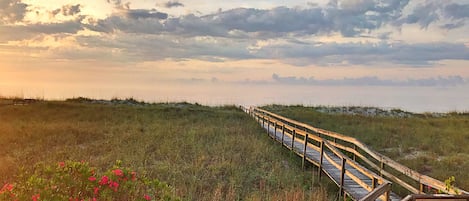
(12, 11)
(350, 20)
(426, 13)
(172, 4)
(456, 25)
(118, 4)
(457, 11)
(144, 14)
(156, 47)
(67, 10)
(367, 53)
(423, 15)
(29, 31)
(372, 81)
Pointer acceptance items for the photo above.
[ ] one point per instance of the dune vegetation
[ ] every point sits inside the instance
(432, 144)
(202, 153)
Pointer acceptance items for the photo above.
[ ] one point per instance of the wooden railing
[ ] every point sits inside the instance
(381, 164)
(379, 186)
(436, 197)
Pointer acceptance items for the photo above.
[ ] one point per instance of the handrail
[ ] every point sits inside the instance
(383, 160)
(377, 192)
(376, 179)
(438, 197)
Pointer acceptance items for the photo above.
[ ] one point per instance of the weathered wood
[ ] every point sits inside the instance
(378, 192)
(283, 132)
(293, 139)
(436, 197)
(304, 151)
(342, 176)
(320, 160)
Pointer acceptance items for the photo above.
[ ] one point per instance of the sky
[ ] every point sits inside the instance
(404, 54)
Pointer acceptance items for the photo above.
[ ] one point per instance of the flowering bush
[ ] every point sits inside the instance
(77, 181)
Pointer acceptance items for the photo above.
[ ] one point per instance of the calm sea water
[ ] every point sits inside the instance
(414, 99)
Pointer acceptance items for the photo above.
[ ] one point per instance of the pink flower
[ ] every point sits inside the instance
(61, 164)
(114, 185)
(104, 180)
(96, 190)
(134, 176)
(118, 172)
(35, 197)
(147, 197)
(91, 178)
(6, 187)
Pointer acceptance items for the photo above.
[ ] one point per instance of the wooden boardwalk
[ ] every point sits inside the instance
(327, 151)
(331, 164)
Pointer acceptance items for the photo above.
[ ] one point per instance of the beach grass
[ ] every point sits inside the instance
(204, 153)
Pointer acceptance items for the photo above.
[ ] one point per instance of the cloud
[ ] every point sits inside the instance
(22, 32)
(366, 53)
(457, 11)
(423, 14)
(372, 81)
(145, 14)
(12, 11)
(159, 47)
(172, 4)
(350, 20)
(118, 4)
(67, 10)
(281, 33)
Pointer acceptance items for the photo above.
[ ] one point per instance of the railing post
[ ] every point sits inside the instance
(421, 188)
(304, 151)
(321, 156)
(381, 168)
(268, 126)
(374, 183)
(283, 132)
(275, 130)
(387, 194)
(293, 140)
(342, 176)
(263, 121)
(354, 156)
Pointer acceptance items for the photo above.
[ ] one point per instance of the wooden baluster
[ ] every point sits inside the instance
(283, 132)
(268, 126)
(304, 151)
(293, 140)
(342, 176)
(321, 156)
(275, 130)
(387, 195)
(263, 122)
(381, 168)
(354, 156)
